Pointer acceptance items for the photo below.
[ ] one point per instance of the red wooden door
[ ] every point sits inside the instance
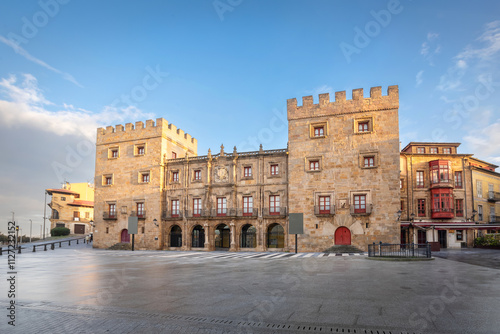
(342, 236)
(125, 236)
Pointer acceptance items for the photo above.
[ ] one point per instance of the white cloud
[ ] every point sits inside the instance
(491, 39)
(28, 107)
(19, 50)
(484, 141)
(419, 79)
(430, 47)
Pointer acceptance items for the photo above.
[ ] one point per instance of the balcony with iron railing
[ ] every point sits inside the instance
(274, 212)
(494, 219)
(140, 214)
(324, 210)
(109, 216)
(361, 212)
(206, 213)
(493, 196)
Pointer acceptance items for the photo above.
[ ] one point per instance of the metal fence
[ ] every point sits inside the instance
(400, 250)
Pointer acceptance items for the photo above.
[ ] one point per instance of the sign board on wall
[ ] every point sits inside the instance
(296, 223)
(132, 225)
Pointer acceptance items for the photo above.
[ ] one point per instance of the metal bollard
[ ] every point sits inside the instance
(34, 250)
(59, 244)
(45, 247)
(19, 250)
(69, 242)
(52, 246)
(1, 250)
(77, 241)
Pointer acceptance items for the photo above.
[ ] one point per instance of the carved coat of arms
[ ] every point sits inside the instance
(221, 174)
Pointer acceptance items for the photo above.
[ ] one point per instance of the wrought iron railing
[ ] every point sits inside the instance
(493, 196)
(324, 211)
(400, 250)
(361, 212)
(107, 215)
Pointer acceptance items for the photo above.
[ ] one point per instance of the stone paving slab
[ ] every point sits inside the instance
(96, 291)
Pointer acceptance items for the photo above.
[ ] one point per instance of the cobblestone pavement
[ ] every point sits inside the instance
(78, 289)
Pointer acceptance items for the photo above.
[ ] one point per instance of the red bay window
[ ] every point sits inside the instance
(442, 203)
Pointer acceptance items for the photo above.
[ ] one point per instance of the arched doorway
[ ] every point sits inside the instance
(275, 236)
(248, 236)
(222, 236)
(125, 237)
(342, 236)
(176, 236)
(198, 238)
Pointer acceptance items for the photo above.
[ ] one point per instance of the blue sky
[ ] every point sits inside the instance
(222, 71)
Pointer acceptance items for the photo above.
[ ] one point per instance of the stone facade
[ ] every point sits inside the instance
(245, 182)
(340, 135)
(341, 170)
(72, 207)
(129, 179)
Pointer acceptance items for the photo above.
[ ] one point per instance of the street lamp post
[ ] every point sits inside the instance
(31, 228)
(44, 213)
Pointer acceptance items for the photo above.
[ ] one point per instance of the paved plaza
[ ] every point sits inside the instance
(78, 289)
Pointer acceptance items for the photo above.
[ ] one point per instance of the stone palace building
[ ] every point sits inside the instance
(341, 169)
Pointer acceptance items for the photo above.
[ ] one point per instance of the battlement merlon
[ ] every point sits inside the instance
(341, 105)
(151, 129)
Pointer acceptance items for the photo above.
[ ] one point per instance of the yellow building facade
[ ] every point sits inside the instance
(72, 206)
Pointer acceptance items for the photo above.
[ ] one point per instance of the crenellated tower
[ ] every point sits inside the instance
(344, 168)
(130, 179)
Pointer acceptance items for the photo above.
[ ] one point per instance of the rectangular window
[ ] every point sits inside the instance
(442, 202)
(174, 155)
(446, 150)
(247, 171)
(140, 150)
(112, 210)
(460, 235)
(109, 180)
(87, 215)
(175, 176)
(314, 165)
(247, 205)
(421, 207)
(114, 153)
(359, 203)
(420, 150)
(369, 161)
(140, 210)
(107, 230)
(479, 188)
(324, 204)
(174, 207)
(402, 205)
(319, 131)
(458, 179)
(145, 177)
(196, 207)
(480, 213)
(274, 169)
(221, 206)
(420, 179)
(197, 175)
(364, 126)
(63, 198)
(76, 216)
(434, 150)
(459, 207)
(274, 204)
